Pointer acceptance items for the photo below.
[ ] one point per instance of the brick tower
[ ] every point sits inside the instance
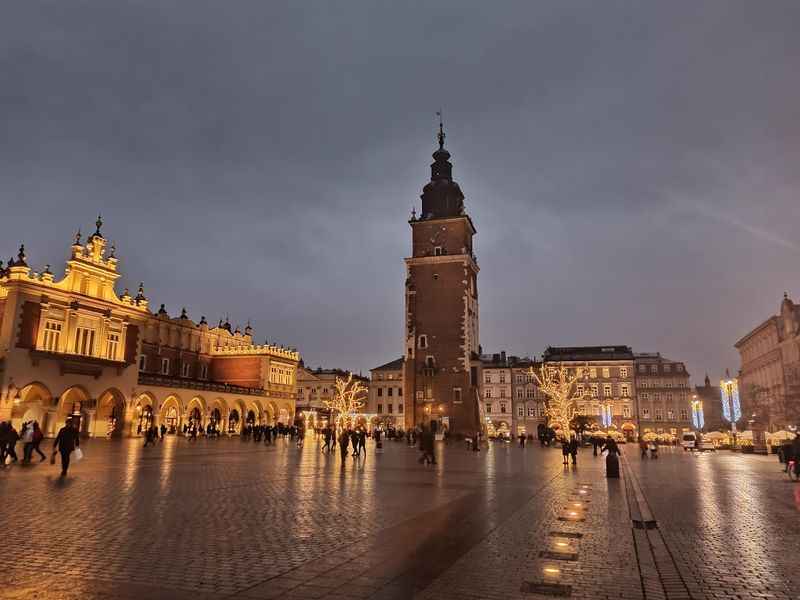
(440, 371)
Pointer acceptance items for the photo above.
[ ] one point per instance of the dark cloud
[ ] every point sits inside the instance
(631, 169)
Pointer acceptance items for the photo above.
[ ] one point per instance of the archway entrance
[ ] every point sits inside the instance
(195, 418)
(32, 405)
(110, 414)
(145, 419)
(215, 419)
(171, 420)
(72, 405)
(251, 418)
(233, 421)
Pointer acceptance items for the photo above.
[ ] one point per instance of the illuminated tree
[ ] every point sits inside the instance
(558, 385)
(347, 398)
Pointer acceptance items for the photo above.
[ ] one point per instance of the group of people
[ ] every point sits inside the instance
(348, 436)
(31, 436)
(570, 446)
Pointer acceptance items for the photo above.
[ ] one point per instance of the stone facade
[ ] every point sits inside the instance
(315, 388)
(73, 347)
(663, 394)
(441, 368)
(386, 399)
(769, 377)
(496, 393)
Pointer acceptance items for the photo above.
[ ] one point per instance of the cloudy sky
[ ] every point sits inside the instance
(632, 167)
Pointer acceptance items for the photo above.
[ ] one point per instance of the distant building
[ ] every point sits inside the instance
(496, 394)
(607, 386)
(386, 399)
(769, 378)
(315, 388)
(662, 394)
(709, 396)
(72, 347)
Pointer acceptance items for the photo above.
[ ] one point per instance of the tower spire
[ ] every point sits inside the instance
(441, 134)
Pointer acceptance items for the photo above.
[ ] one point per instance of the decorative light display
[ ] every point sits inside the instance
(347, 399)
(558, 385)
(698, 420)
(731, 407)
(606, 415)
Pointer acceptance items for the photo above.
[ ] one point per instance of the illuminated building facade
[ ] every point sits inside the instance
(441, 368)
(769, 377)
(663, 394)
(74, 348)
(315, 389)
(386, 399)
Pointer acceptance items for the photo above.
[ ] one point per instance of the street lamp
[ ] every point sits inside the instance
(731, 408)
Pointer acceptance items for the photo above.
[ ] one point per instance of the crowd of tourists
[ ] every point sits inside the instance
(66, 442)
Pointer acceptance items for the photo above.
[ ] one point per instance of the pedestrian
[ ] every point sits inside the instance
(3, 434)
(595, 444)
(565, 450)
(362, 442)
(426, 440)
(150, 436)
(354, 441)
(612, 459)
(38, 436)
(11, 437)
(163, 431)
(573, 449)
(66, 442)
(476, 442)
(344, 440)
(378, 443)
(26, 436)
(653, 449)
(642, 447)
(326, 435)
(521, 440)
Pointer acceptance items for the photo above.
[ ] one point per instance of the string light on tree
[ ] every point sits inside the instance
(558, 385)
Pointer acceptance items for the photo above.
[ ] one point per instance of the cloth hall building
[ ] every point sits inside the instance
(74, 348)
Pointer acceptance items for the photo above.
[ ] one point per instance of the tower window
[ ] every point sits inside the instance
(423, 341)
(430, 362)
(437, 251)
(435, 276)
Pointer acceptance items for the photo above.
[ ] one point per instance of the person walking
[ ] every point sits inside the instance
(150, 436)
(3, 434)
(11, 437)
(344, 440)
(521, 440)
(426, 442)
(595, 445)
(573, 450)
(565, 450)
(326, 435)
(612, 459)
(643, 447)
(38, 436)
(26, 435)
(362, 442)
(163, 431)
(66, 442)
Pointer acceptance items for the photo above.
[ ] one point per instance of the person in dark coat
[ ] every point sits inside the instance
(565, 450)
(426, 440)
(573, 449)
(362, 442)
(10, 438)
(344, 440)
(612, 459)
(66, 441)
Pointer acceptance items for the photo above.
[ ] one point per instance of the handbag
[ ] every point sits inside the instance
(77, 454)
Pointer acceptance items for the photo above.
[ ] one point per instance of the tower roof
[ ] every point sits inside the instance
(442, 197)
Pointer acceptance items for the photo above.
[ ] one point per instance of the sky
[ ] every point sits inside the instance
(631, 167)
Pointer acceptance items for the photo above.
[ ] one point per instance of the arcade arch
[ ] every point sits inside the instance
(110, 416)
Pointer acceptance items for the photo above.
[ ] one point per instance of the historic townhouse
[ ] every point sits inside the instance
(529, 403)
(606, 389)
(495, 390)
(769, 378)
(663, 394)
(315, 389)
(386, 399)
(73, 347)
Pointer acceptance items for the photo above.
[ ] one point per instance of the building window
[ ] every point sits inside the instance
(654, 368)
(606, 372)
(391, 407)
(203, 371)
(679, 367)
(52, 335)
(503, 392)
(625, 390)
(645, 396)
(430, 362)
(645, 413)
(487, 378)
(487, 393)
(457, 395)
(389, 393)
(623, 371)
(380, 392)
(84, 341)
(592, 372)
(520, 411)
(659, 414)
(579, 390)
(503, 407)
(502, 377)
(529, 393)
(542, 410)
(380, 375)
(626, 412)
(185, 367)
(423, 341)
(595, 391)
(399, 391)
(380, 409)
(656, 396)
(670, 414)
(112, 346)
(607, 390)
(642, 368)
(437, 250)
(488, 407)
(684, 414)
(142, 362)
(531, 411)
(400, 408)
(520, 393)
(165, 366)
(428, 392)
(520, 378)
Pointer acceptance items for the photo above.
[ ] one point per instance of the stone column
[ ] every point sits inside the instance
(91, 423)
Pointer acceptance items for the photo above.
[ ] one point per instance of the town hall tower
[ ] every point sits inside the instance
(441, 364)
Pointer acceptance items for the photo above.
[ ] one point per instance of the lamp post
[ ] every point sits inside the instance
(731, 408)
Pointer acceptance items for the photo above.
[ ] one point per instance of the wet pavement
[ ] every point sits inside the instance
(217, 519)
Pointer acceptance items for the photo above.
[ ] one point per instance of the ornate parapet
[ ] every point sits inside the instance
(257, 350)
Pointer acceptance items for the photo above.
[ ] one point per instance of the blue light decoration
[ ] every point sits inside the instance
(731, 406)
(726, 405)
(606, 415)
(698, 420)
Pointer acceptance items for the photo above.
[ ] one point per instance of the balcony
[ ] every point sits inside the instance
(78, 364)
(198, 384)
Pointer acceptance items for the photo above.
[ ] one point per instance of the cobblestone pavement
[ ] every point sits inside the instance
(216, 519)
